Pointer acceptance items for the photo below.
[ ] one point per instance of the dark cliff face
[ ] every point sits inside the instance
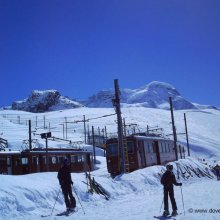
(43, 101)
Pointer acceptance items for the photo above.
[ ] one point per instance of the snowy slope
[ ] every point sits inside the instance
(134, 196)
(203, 126)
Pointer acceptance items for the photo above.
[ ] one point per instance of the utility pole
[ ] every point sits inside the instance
(88, 137)
(47, 161)
(187, 139)
(116, 103)
(19, 119)
(44, 123)
(63, 131)
(93, 143)
(46, 136)
(30, 139)
(84, 122)
(174, 128)
(66, 126)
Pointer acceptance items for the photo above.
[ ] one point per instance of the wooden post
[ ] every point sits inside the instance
(66, 126)
(47, 161)
(106, 137)
(63, 131)
(30, 139)
(84, 122)
(44, 123)
(187, 139)
(88, 135)
(93, 143)
(174, 128)
(116, 103)
(19, 119)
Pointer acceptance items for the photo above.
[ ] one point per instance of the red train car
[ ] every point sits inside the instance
(34, 161)
(142, 151)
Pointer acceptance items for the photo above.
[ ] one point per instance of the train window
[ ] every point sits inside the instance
(154, 147)
(130, 147)
(24, 160)
(8, 161)
(112, 149)
(44, 160)
(3, 161)
(79, 158)
(35, 160)
(17, 162)
(149, 148)
(73, 159)
(53, 160)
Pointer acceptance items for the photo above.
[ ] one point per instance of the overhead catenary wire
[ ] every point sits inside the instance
(87, 120)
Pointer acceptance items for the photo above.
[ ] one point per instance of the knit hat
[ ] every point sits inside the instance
(66, 162)
(169, 167)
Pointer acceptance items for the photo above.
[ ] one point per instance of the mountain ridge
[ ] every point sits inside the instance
(153, 95)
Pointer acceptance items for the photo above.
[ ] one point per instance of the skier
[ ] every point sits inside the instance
(217, 171)
(167, 180)
(65, 181)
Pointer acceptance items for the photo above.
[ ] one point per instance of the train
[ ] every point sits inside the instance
(42, 160)
(142, 150)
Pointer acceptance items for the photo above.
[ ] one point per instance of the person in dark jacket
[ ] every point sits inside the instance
(217, 171)
(167, 180)
(65, 181)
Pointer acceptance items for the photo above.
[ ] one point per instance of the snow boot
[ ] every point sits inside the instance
(174, 213)
(166, 213)
(71, 209)
(68, 210)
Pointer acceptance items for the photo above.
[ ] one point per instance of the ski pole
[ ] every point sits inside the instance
(79, 200)
(55, 202)
(182, 199)
(161, 205)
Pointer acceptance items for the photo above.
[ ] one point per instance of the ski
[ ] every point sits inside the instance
(44, 216)
(161, 217)
(70, 213)
(66, 213)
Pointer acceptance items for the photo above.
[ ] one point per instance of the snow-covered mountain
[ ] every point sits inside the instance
(43, 101)
(153, 95)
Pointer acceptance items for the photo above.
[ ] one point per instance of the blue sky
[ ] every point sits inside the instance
(80, 46)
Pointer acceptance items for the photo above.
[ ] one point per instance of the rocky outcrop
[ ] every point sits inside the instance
(43, 101)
